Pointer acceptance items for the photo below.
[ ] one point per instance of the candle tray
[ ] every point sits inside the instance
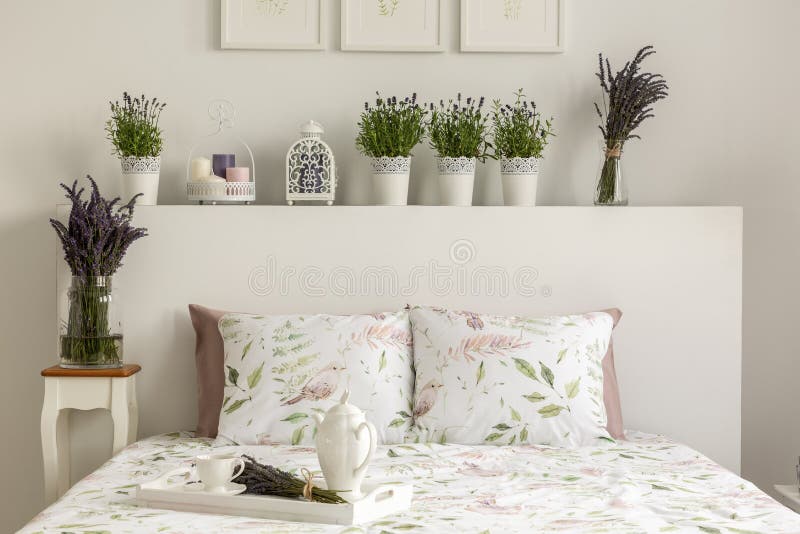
(213, 193)
(379, 501)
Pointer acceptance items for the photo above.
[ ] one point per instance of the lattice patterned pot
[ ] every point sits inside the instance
(140, 175)
(456, 180)
(520, 177)
(390, 180)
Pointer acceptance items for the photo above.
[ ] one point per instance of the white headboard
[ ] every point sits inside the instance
(675, 273)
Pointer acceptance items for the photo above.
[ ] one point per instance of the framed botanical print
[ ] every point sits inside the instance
(392, 25)
(512, 25)
(273, 24)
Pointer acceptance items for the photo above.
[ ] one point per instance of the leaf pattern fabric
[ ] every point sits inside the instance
(644, 484)
(280, 370)
(485, 379)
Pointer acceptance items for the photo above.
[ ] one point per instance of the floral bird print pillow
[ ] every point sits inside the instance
(280, 370)
(485, 379)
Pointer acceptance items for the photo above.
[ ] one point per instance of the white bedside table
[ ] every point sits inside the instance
(790, 496)
(83, 389)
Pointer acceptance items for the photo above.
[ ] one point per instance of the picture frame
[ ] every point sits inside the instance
(273, 24)
(392, 25)
(512, 26)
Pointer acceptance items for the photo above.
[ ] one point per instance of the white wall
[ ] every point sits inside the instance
(727, 135)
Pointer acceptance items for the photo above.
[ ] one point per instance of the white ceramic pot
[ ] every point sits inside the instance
(520, 177)
(390, 180)
(345, 444)
(140, 175)
(456, 180)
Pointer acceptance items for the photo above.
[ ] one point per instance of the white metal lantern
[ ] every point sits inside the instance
(310, 167)
(205, 183)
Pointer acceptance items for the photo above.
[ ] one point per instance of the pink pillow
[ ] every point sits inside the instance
(611, 397)
(209, 357)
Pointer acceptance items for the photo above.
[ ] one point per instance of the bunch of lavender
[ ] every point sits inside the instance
(459, 129)
(94, 241)
(262, 479)
(98, 232)
(519, 131)
(133, 127)
(628, 97)
(391, 128)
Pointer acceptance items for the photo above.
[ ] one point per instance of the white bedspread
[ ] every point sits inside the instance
(646, 484)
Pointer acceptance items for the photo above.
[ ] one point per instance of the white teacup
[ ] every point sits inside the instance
(217, 470)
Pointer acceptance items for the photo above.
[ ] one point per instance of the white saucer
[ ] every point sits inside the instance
(231, 488)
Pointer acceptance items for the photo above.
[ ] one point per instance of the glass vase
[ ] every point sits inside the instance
(90, 331)
(611, 189)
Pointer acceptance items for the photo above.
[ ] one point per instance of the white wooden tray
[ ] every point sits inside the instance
(379, 501)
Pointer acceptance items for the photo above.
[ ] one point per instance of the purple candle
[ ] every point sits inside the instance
(222, 162)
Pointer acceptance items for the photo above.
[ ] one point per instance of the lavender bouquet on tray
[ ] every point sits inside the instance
(95, 240)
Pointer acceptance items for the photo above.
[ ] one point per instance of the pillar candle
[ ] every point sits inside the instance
(222, 162)
(237, 174)
(200, 168)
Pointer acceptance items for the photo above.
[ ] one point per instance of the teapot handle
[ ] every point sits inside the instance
(358, 471)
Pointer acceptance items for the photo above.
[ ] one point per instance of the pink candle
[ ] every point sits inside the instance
(237, 174)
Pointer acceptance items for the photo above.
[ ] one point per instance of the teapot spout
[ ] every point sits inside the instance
(318, 417)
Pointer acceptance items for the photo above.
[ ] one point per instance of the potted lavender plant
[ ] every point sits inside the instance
(628, 97)
(388, 132)
(137, 140)
(520, 136)
(457, 132)
(94, 240)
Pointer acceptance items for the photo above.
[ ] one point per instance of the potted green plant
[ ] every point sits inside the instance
(387, 133)
(137, 140)
(95, 240)
(457, 132)
(520, 136)
(628, 97)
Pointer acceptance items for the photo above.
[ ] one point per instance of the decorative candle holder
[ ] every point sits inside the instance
(214, 155)
(310, 167)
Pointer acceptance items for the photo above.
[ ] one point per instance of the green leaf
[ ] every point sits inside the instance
(233, 375)
(502, 427)
(551, 410)
(523, 435)
(481, 374)
(561, 354)
(525, 368)
(657, 487)
(572, 388)
(246, 348)
(494, 436)
(397, 422)
(226, 401)
(297, 435)
(295, 417)
(513, 439)
(515, 414)
(443, 437)
(535, 397)
(255, 377)
(392, 454)
(709, 530)
(547, 374)
(235, 406)
(382, 362)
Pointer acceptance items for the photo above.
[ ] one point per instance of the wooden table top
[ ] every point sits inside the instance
(126, 370)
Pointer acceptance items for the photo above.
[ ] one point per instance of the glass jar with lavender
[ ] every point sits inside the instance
(91, 324)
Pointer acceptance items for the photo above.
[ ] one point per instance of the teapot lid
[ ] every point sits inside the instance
(343, 407)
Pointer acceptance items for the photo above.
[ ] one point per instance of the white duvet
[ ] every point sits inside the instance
(646, 484)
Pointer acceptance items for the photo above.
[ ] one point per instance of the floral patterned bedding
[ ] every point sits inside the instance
(645, 484)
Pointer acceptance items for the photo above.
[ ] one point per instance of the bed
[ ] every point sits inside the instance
(645, 484)
(653, 263)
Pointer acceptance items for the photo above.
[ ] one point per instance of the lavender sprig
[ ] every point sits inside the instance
(459, 128)
(519, 131)
(98, 232)
(391, 127)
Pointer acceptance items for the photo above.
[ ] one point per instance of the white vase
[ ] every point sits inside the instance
(520, 177)
(140, 175)
(456, 180)
(390, 180)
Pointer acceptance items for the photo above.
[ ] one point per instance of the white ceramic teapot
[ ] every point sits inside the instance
(345, 445)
